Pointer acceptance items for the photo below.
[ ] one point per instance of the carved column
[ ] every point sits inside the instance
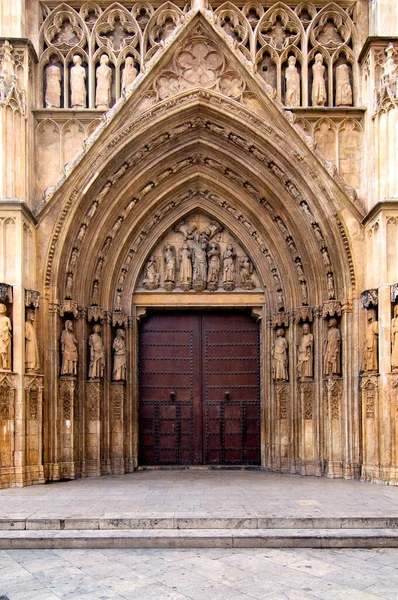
(7, 412)
(67, 395)
(117, 399)
(333, 397)
(93, 401)
(370, 426)
(34, 428)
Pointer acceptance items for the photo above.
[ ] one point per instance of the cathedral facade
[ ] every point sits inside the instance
(199, 237)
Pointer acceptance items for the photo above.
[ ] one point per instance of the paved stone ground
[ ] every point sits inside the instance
(200, 493)
(212, 574)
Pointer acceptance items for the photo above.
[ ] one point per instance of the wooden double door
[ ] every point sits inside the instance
(199, 389)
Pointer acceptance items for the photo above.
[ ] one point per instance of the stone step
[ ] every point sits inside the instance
(200, 538)
(153, 523)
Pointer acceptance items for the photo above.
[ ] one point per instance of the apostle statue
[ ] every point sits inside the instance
(151, 279)
(331, 361)
(78, 83)
(279, 356)
(394, 340)
(53, 85)
(213, 256)
(185, 267)
(343, 86)
(69, 350)
(229, 268)
(129, 72)
(5, 339)
(104, 79)
(292, 77)
(32, 360)
(119, 356)
(318, 83)
(170, 263)
(305, 353)
(370, 352)
(97, 354)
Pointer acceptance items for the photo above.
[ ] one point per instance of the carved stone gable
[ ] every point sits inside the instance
(198, 254)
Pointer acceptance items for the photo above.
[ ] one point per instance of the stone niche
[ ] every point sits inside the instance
(198, 255)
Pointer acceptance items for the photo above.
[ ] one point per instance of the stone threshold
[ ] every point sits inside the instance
(194, 538)
(198, 523)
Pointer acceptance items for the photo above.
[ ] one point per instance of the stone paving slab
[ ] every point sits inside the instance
(199, 495)
(199, 574)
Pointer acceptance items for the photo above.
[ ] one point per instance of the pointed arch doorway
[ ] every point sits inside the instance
(199, 388)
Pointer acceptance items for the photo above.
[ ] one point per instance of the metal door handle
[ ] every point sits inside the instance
(227, 396)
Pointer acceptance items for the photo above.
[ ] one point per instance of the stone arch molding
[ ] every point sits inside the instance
(151, 137)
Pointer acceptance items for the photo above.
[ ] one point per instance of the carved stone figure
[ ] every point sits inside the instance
(170, 263)
(229, 268)
(394, 336)
(246, 271)
(32, 360)
(331, 290)
(78, 83)
(318, 84)
(185, 267)
(305, 353)
(199, 259)
(5, 339)
(343, 86)
(104, 79)
(331, 364)
(213, 275)
(69, 286)
(69, 350)
(292, 77)
(119, 357)
(129, 72)
(390, 69)
(279, 356)
(370, 353)
(53, 86)
(97, 354)
(151, 279)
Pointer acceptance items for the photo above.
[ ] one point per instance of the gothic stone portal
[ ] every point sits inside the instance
(199, 389)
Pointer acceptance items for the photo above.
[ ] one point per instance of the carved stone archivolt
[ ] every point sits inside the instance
(199, 254)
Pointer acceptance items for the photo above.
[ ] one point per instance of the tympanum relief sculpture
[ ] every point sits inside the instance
(198, 254)
(5, 339)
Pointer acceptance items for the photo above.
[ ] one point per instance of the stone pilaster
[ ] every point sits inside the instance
(370, 427)
(34, 428)
(68, 390)
(117, 400)
(7, 411)
(93, 402)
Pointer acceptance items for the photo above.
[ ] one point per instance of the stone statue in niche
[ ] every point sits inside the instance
(69, 286)
(53, 86)
(331, 364)
(170, 264)
(292, 77)
(199, 260)
(305, 353)
(213, 275)
(5, 339)
(119, 357)
(394, 339)
(95, 294)
(331, 290)
(118, 300)
(97, 354)
(229, 275)
(68, 350)
(129, 72)
(246, 271)
(343, 86)
(185, 267)
(78, 83)
(32, 360)
(104, 80)
(370, 353)
(318, 83)
(279, 356)
(152, 278)
(390, 69)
